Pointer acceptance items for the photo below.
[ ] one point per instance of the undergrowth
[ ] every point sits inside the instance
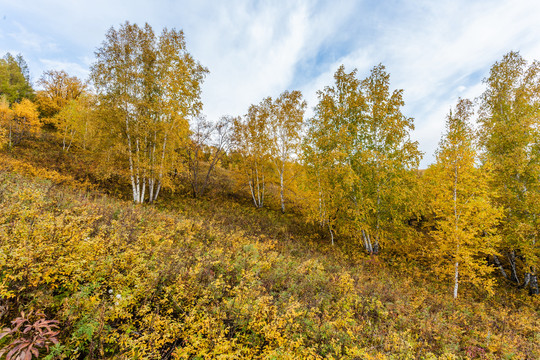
(196, 279)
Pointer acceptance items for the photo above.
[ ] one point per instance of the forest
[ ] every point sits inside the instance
(133, 227)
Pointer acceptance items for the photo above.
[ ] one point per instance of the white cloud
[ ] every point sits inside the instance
(439, 51)
(251, 54)
(72, 68)
(435, 51)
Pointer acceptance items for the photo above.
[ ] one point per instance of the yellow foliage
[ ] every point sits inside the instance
(6, 116)
(228, 281)
(21, 121)
(466, 221)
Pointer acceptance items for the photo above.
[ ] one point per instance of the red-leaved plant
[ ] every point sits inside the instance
(29, 337)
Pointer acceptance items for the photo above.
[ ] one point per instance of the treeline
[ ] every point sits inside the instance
(352, 168)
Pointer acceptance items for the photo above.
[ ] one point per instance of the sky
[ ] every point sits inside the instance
(436, 51)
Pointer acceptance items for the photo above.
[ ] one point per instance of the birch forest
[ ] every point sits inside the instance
(133, 226)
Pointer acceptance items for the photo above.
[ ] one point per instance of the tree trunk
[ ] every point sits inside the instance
(281, 191)
(258, 187)
(213, 163)
(10, 131)
(526, 280)
(151, 190)
(134, 183)
(456, 280)
(498, 263)
(262, 195)
(71, 140)
(252, 189)
(157, 190)
(367, 241)
(456, 271)
(138, 179)
(64, 138)
(376, 247)
(533, 289)
(143, 189)
(512, 259)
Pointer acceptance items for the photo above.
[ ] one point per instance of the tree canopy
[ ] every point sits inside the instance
(15, 79)
(151, 87)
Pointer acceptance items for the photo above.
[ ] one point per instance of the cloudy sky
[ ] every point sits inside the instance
(436, 51)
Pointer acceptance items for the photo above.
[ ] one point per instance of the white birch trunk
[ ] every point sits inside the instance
(370, 245)
(456, 280)
(367, 242)
(138, 179)
(251, 188)
(331, 233)
(281, 189)
(132, 172)
(499, 265)
(262, 195)
(131, 165)
(258, 186)
(157, 191)
(151, 190)
(143, 190)
(71, 140)
(456, 271)
(321, 218)
(64, 138)
(366, 247)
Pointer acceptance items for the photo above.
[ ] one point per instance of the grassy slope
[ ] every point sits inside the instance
(202, 278)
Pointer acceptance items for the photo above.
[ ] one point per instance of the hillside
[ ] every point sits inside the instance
(216, 278)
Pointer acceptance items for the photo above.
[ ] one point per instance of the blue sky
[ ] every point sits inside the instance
(436, 51)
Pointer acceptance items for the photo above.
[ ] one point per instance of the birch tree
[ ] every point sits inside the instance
(286, 121)
(466, 222)
(328, 151)
(208, 144)
(153, 85)
(74, 121)
(510, 128)
(388, 157)
(360, 133)
(251, 141)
